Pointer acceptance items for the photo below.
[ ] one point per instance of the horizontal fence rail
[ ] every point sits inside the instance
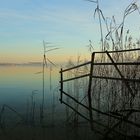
(89, 62)
(127, 83)
(119, 63)
(119, 79)
(74, 78)
(117, 51)
(97, 63)
(104, 113)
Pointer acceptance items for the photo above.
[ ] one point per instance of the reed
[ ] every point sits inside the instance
(47, 48)
(108, 95)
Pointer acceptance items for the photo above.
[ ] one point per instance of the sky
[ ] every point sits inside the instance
(66, 24)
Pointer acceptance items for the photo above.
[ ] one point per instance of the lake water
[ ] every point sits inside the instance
(17, 83)
(17, 87)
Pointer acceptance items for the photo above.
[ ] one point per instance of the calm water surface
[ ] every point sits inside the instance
(16, 86)
(18, 82)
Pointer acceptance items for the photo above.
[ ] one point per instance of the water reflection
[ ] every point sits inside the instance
(17, 87)
(18, 82)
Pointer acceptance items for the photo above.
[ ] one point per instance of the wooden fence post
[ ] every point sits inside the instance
(89, 91)
(61, 85)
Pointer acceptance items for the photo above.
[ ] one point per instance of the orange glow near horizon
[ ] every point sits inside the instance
(11, 73)
(56, 58)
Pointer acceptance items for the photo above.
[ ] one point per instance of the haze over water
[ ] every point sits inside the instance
(18, 82)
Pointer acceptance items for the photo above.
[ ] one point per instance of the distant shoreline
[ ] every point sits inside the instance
(39, 64)
(22, 64)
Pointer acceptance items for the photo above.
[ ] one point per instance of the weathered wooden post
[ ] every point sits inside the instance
(61, 85)
(89, 91)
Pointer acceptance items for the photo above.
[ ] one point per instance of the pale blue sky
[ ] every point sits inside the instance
(69, 24)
